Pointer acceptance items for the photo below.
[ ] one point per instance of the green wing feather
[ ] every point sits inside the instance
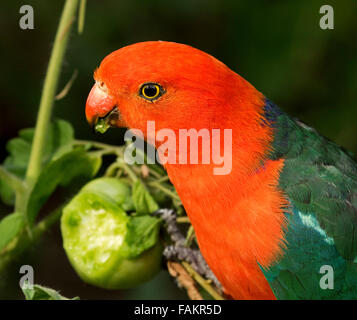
(320, 181)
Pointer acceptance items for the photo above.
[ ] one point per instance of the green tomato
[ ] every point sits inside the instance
(118, 190)
(98, 239)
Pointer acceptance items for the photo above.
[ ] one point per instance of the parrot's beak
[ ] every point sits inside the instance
(101, 110)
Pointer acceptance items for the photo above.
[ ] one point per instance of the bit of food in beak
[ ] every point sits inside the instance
(102, 126)
(104, 123)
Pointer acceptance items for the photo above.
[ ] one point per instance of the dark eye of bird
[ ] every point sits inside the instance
(151, 91)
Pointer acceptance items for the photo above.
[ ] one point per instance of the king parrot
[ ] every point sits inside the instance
(283, 223)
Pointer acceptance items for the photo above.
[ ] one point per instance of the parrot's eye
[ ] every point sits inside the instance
(151, 91)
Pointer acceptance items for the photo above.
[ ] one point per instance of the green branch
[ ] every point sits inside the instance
(203, 282)
(161, 187)
(23, 189)
(81, 15)
(49, 90)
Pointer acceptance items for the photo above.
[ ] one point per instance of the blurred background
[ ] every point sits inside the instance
(277, 45)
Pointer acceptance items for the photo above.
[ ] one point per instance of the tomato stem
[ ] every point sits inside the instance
(159, 186)
(49, 90)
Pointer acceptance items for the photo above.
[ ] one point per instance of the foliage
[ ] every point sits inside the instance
(37, 292)
(48, 159)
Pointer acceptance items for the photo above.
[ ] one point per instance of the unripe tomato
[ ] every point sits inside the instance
(107, 247)
(118, 190)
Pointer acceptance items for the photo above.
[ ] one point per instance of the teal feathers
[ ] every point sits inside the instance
(320, 181)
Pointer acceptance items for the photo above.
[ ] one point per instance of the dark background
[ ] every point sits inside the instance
(277, 45)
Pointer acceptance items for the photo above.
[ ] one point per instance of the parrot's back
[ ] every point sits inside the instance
(320, 181)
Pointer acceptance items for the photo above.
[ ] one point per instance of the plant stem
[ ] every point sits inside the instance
(48, 221)
(99, 145)
(156, 174)
(159, 186)
(49, 90)
(128, 170)
(183, 220)
(111, 169)
(203, 283)
(162, 179)
(81, 16)
(189, 236)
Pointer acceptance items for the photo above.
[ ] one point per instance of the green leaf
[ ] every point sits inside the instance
(143, 201)
(75, 167)
(7, 195)
(10, 227)
(59, 137)
(62, 136)
(142, 234)
(37, 292)
(19, 151)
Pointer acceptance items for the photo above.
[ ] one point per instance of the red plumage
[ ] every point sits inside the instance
(238, 218)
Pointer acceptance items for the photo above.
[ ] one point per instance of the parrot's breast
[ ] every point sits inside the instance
(239, 224)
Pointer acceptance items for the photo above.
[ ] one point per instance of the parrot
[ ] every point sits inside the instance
(282, 224)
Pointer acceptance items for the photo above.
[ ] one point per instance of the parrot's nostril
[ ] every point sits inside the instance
(102, 86)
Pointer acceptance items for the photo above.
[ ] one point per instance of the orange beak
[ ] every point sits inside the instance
(99, 105)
